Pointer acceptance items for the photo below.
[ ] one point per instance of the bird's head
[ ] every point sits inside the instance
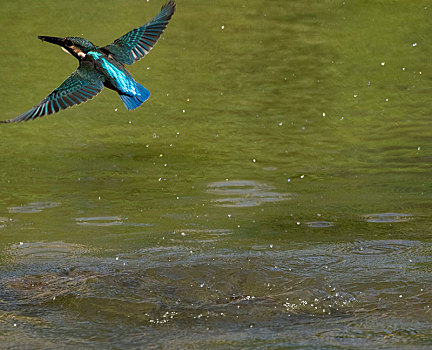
(77, 47)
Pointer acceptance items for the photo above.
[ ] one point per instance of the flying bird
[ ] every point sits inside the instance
(102, 66)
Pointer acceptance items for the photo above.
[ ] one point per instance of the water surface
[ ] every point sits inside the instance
(274, 192)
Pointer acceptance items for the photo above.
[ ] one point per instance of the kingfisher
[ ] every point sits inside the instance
(102, 66)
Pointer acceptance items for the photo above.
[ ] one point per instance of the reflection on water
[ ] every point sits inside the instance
(244, 193)
(33, 207)
(387, 217)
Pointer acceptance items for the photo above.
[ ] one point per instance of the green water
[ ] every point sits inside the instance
(274, 192)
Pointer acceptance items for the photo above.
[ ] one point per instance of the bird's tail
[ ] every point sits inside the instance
(132, 102)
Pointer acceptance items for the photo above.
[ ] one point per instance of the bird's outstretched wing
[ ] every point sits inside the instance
(82, 85)
(134, 45)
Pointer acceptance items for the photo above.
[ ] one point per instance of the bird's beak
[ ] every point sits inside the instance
(52, 40)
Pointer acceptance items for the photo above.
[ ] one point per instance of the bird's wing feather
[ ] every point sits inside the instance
(134, 45)
(82, 85)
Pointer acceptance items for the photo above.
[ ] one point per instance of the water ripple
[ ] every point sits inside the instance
(320, 224)
(30, 252)
(35, 207)
(383, 218)
(243, 193)
(102, 221)
(386, 282)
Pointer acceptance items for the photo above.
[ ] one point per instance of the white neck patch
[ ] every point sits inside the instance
(76, 50)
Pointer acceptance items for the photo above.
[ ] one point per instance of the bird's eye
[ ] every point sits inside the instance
(68, 42)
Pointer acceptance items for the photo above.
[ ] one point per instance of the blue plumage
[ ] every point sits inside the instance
(135, 44)
(132, 102)
(103, 66)
(131, 93)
